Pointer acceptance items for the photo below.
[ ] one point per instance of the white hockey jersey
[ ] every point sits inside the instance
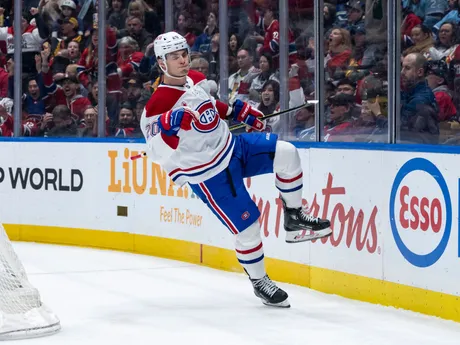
(198, 154)
(31, 40)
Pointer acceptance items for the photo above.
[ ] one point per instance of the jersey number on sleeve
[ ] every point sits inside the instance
(152, 129)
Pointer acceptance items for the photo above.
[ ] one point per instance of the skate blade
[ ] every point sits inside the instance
(306, 235)
(284, 304)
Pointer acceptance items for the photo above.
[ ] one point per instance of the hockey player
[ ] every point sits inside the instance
(186, 136)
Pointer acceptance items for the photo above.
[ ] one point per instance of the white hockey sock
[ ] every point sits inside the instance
(250, 252)
(288, 170)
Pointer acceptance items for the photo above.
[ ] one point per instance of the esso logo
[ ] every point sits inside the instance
(420, 212)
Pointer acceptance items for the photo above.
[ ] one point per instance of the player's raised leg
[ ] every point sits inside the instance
(263, 153)
(299, 225)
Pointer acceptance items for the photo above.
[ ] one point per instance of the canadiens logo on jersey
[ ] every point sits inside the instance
(208, 118)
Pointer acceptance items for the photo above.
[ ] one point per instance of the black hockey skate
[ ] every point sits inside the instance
(269, 293)
(301, 227)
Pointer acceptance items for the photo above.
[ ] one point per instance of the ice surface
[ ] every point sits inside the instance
(114, 298)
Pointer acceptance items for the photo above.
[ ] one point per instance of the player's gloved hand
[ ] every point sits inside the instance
(243, 112)
(173, 120)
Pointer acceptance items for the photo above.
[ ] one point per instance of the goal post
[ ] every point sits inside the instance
(22, 313)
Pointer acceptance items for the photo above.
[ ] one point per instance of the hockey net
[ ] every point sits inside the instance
(22, 313)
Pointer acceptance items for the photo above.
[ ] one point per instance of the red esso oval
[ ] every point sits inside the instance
(419, 213)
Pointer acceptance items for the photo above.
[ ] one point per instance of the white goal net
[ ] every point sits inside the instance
(22, 313)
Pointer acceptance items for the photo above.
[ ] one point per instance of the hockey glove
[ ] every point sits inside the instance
(173, 120)
(243, 112)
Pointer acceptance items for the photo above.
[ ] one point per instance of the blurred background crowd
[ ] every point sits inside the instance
(60, 65)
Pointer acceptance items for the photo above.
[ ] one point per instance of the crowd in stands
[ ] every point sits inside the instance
(60, 65)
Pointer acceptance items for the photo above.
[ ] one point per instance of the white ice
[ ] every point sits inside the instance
(106, 297)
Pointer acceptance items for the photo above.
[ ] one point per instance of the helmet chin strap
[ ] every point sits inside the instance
(165, 71)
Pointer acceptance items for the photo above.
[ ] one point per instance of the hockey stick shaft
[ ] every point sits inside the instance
(242, 125)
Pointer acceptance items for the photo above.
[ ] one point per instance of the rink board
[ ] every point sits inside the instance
(394, 214)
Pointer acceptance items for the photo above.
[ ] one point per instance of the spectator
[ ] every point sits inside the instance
(32, 44)
(6, 123)
(347, 87)
(304, 128)
(129, 57)
(33, 103)
(90, 129)
(365, 54)
(141, 10)
(337, 60)
(202, 42)
(213, 57)
(91, 123)
(270, 97)
(419, 122)
(200, 65)
(87, 65)
(446, 42)
(271, 41)
(233, 45)
(340, 123)
(117, 15)
(267, 72)
(355, 14)
(126, 122)
(62, 123)
(93, 95)
(437, 79)
(451, 16)
(329, 12)
(67, 95)
(246, 73)
(423, 41)
(74, 54)
(135, 29)
(134, 92)
(183, 28)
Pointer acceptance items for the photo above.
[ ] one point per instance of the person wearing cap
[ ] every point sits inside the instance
(135, 91)
(355, 10)
(68, 9)
(437, 75)
(348, 87)
(67, 94)
(340, 122)
(364, 54)
(68, 32)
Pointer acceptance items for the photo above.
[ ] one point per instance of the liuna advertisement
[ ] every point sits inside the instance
(394, 214)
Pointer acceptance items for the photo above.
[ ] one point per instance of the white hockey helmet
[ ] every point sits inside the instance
(169, 42)
(68, 3)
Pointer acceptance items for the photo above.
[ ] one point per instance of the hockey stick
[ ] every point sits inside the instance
(242, 125)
